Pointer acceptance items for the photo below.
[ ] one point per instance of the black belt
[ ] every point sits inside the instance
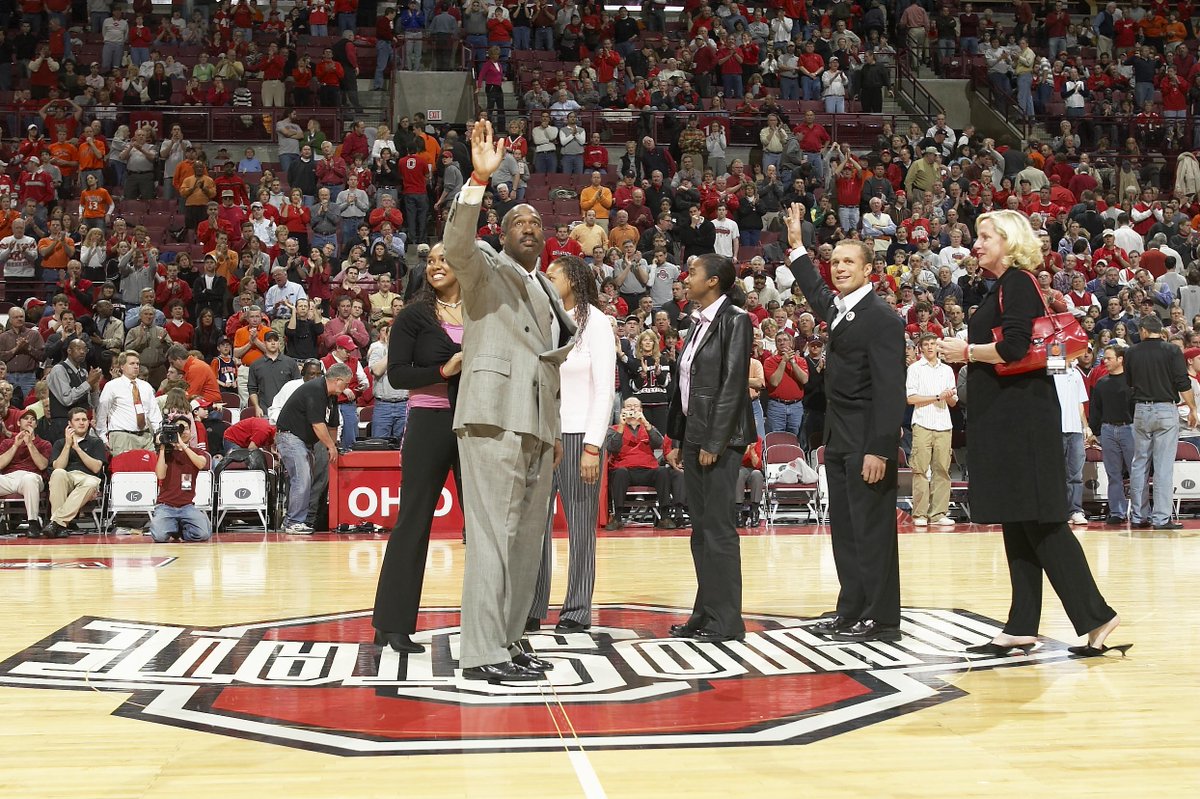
(377, 399)
(141, 171)
(131, 432)
(785, 402)
(1116, 424)
(1156, 402)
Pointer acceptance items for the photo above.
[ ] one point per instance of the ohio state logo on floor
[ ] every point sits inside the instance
(313, 683)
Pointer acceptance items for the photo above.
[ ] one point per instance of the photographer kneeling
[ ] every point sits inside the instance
(176, 514)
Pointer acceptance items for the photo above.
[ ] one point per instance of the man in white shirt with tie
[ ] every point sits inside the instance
(127, 415)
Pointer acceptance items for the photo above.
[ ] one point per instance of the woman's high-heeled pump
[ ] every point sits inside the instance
(399, 642)
(991, 648)
(1089, 651)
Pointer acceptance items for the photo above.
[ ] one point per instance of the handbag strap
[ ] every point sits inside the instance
(1045, 305)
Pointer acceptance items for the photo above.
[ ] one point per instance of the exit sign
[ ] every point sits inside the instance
(434, 115)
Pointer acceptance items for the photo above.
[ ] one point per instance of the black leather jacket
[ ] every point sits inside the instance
(719, 413)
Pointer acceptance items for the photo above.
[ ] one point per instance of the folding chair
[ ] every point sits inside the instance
(780, 437)
(796, 495)
(132, 488)
(1095, 479)
(1186, 474)
(243, 491)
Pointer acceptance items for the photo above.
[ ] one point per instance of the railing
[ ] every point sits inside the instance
(907, 83)
(205, 123)
(860, 131)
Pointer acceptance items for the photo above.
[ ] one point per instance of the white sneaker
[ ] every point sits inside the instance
(945, 521)
(298, 529)
(920, 521)
(1078, 518)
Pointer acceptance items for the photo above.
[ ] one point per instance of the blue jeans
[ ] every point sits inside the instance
(1117, 443)
(285, 161)
(970, 44)
(416, 216)
(1025, 93)
(24, 381)
(319, 240)
(345, 22)
(478, 43)
(732, 83)
(835, 104)
(572, 164)
(789, 88)
(545, 163)
(348, 433)
(297, 460)
(543, 38)
(750, 238)
(1073, 453)
(771, 158)
(318, 30)
(389, 419)
(848, 217)
(1141, 93)
(189, 522)
(383, 55)
(812, 87)
(522, 36)
(139, 55)
(760, 425)
(1057, 44)
(782, 417)
(1155, 439)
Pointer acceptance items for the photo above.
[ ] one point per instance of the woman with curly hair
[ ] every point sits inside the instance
(425, 357)
(587, 380)
(1017, 465)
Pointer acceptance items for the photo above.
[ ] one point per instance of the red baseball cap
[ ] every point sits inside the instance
(345, 342)
(1191, 352)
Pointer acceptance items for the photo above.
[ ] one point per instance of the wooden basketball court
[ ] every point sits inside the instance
(231, 669)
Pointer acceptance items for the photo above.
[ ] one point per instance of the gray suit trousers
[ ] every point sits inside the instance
(507, 478)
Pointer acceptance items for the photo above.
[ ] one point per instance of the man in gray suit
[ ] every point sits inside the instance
(515, 336)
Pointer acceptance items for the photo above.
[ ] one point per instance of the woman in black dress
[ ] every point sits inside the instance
(1016, 463)
(424, 356)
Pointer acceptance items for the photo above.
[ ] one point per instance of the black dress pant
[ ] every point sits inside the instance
(716, 549)
(1033, 548)
(862, 518)
(430, 450)
(619, 481)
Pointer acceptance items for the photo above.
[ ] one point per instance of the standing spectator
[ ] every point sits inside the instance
(1111, 412)
(115, 33)
(1157, 373)
(932, 392)
(22, 347)
(329, 75)
(1072, 400)
(269, 374)
(139, 157)
(414, 175)
(786, 374)
(127, 415)
(289, 135)
(304, 423)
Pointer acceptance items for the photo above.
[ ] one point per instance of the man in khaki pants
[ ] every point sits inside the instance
(77, 460)
(932, 393)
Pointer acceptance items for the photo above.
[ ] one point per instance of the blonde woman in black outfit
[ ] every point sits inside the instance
(424, 357)
(1016, 462)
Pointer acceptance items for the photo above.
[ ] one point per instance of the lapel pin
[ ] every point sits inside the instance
(850, 316)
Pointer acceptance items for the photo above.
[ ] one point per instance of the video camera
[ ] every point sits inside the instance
(168, 435)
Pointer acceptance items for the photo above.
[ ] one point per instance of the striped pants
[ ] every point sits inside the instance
(581, 505)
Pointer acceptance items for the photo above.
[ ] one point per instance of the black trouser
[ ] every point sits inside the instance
(862, 518)
(319, 492)
(619, 481)
(431, 446)
(1035, 547)
(716, 550)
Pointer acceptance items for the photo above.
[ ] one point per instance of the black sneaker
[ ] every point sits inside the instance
(34, 528)
(614, 522)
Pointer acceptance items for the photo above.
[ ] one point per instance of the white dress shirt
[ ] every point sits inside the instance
(846, 304)
(925, 379)
(587, 378)
(116, 410)
(703, 321)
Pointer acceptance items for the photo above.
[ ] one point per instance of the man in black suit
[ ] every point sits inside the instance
(710, 423)
(865, 397)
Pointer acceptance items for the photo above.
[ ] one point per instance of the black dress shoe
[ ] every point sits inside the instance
(832, 624)
(1114, 520)
(570, 626)
(59, 532)
(398, 642)
(1171, 526)
(1146, 525)
(532, 625)
(507, 671)
(682, 630)
(869, 630)
(614, 523)
(707, 636)
(532, 662)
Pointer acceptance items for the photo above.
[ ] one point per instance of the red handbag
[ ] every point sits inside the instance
(1061, 327)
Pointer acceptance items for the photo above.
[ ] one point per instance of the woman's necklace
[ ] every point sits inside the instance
(448, 304)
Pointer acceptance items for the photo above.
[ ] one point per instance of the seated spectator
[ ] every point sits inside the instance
(751, 478)
(631, 445)
(78, 459)
(23, 458)
(179, 465)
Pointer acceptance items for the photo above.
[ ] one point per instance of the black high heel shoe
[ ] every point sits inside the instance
(1089, 651)
(994, 649)
(399, 642)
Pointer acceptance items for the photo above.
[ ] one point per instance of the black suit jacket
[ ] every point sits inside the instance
(417, 349)
(719, 404)
(864, 370)
(214, 300)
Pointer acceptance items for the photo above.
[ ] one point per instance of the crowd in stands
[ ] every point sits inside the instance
(129, 238)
